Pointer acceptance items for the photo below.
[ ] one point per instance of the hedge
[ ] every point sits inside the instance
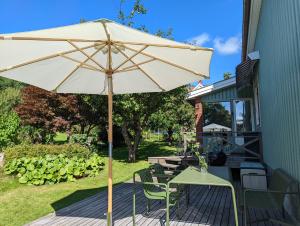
(41, 150)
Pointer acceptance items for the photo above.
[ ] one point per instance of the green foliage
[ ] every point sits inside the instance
(60, 138)
(52, 169)
(227, 75)
(202, 161)
(5, 83)
(9, 124)
(40, 150)
(9, 98)
(216, 113)
(175, 115)
(137, 8)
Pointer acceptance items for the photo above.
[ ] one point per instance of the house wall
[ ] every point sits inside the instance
(225, 94)
(278, 41)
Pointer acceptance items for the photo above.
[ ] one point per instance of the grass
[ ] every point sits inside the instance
(21, 204)
(60, 137)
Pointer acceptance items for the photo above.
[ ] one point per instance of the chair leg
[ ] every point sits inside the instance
(283, 213)
(148, 206)
(245, 215)
(177, 210)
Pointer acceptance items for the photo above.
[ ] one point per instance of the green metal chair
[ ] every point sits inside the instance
(153, 191)
(159, 173)
(272, 198)
(162, 177)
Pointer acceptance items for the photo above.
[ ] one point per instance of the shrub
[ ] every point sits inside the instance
(52, 169)
(9, 124)
(41, 150)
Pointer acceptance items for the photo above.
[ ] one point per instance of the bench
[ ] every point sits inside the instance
(281, 187)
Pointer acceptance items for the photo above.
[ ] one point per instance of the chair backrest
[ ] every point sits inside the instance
(146, 176)
(159, 169)
(280, 181)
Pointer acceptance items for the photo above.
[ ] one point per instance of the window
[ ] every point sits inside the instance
(243, 119)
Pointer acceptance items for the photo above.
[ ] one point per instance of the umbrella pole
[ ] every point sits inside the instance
(110, 147)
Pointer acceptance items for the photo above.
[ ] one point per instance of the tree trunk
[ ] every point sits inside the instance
(170, 135)
(132, 143)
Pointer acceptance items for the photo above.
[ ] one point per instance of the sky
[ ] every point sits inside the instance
(209, 23)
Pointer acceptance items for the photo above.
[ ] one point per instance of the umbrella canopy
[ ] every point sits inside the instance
(101, 57)
(74, 59)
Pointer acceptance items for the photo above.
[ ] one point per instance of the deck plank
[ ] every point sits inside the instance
(208, 206)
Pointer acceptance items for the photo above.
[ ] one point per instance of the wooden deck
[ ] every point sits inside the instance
(208, 206)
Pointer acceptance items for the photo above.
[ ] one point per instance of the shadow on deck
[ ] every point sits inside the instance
(208, 206)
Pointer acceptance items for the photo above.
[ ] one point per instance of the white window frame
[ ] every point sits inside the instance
(256, 101)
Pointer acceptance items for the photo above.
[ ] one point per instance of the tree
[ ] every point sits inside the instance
(46, 110)
(175, 114)
(216, 113)
(132, 111)
(54, 112)
(92, 112)
(227, 75)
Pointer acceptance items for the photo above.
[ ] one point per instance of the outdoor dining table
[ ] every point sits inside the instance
(193, 176)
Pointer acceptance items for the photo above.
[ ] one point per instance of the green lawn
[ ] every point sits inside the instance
(22, 203)
(60, 137)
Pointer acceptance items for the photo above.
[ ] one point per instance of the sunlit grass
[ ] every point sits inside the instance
(21, 204)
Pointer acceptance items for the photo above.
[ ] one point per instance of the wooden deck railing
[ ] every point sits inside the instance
(248, 143)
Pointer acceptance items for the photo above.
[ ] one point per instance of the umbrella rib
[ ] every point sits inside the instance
(191, 47)
(46, 58)
(130, 58)
(145, 73)
(132, 66)
(88, 66)
(105, 30)
(168, 62)
(84, 53)
(76, 68)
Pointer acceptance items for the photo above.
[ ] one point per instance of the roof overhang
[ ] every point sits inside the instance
(211, 88)
(250, 23)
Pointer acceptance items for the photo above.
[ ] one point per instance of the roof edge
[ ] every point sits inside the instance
(212, 88)
(246, 19)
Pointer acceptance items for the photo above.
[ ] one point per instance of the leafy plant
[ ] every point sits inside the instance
(53, 169)
(202, 161)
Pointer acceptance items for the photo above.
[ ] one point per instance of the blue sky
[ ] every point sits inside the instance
(209, 23)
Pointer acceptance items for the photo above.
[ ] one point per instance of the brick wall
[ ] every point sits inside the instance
(198, 118)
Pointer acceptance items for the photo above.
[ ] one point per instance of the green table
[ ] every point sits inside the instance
(193, 175)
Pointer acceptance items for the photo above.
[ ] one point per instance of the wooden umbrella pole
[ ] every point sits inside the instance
(110, 147)
(109, 74)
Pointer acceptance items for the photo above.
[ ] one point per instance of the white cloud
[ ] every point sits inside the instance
(200, 39)
(230, 46)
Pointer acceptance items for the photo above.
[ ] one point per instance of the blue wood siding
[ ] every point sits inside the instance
(278, 41)
(226, 94)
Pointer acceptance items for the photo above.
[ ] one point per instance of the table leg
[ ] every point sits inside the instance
(133, 202)
(234, 207)
(189, 192)
(168, 207)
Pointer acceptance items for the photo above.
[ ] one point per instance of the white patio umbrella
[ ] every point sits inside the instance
(101, 57)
